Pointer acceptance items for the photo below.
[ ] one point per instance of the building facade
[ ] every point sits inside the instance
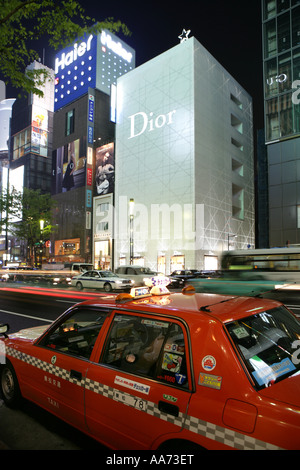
(83, 156)
(281, 69)
(6, 105)
(184, 157)
(30, 149)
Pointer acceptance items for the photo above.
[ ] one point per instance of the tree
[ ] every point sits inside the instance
(24, 23)
(23, 213)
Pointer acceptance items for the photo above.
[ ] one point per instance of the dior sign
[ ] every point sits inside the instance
(142, 122)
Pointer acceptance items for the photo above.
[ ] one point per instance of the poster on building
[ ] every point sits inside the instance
(105, 169)
(39, 130)
(69, 165)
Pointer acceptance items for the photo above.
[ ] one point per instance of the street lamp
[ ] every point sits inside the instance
(131, 211)
(42, 223)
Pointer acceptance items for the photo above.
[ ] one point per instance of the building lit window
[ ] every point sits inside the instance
(298, 216)
(70, 121)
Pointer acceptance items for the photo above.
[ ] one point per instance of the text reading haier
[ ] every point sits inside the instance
(79, 49)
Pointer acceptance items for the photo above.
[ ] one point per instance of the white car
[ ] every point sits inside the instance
(106, 280)
(142, 276)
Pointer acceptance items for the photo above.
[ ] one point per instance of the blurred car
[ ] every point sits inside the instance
(179, 372)
(181, 275)
(140, 274)
(106, 280)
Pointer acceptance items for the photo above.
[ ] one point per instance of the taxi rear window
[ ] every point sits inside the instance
(269, 344)
(148, 347)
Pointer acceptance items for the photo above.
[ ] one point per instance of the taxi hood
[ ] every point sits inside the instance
(30, 334)
(286, 391)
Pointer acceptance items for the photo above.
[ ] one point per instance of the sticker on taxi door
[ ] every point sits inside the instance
(172, 362)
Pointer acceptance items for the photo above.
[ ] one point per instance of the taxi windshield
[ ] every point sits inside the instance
(269, 343)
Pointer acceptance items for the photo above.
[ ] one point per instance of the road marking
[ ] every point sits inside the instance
(26, 316)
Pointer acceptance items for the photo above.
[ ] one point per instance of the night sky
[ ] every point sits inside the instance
(229, 30)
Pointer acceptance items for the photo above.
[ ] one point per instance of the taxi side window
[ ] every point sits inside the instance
(148, 347)
(77, 334)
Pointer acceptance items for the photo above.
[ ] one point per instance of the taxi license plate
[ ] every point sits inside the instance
(129, 400)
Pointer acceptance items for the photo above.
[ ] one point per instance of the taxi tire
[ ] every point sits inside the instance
(180, 445)
(9, 386)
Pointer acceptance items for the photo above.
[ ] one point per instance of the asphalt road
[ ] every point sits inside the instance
(31, 428)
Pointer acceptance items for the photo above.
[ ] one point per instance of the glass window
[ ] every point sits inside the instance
(271, 84)
(282, 5)
(270, 39)
(268, 343)
(269, 9)
(77, 334)
(283, 32)
(286, 114)
(148, 347)
(296, 26)
(272, 119)
(284, 77)
(70, 120)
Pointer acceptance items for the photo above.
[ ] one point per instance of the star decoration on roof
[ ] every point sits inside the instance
(184, 35)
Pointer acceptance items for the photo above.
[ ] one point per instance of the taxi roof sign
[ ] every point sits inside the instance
(141, 292)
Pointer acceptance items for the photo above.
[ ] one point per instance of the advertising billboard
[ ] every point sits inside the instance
(95, 61)
(75, 71)
(69, 166)
(105, 170)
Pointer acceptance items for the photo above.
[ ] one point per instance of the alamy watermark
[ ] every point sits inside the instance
(182, 224)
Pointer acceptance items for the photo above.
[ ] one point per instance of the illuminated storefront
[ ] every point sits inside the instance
(187, 167)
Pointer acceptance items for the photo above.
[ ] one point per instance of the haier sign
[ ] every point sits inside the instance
(76, 66)
(77, 52)
(75, 71)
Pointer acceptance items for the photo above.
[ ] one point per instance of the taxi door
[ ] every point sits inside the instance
(61, 379)
(63, 363)
(141, 386)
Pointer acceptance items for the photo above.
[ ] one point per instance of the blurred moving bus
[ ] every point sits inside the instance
(278, 264)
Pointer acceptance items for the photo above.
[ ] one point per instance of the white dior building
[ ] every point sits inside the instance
(184, 155)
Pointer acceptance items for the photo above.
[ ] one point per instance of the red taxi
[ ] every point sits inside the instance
(180, 371)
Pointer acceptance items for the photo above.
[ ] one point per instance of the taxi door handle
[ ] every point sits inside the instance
(168, 408)
(74, 374)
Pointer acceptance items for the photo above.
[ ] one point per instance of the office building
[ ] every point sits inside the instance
(281, 70)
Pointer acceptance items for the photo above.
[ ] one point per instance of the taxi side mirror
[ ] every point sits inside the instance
(4, 327)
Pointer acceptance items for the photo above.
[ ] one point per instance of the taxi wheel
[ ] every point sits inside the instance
(79, 286)
(107, 287)
(10, 390)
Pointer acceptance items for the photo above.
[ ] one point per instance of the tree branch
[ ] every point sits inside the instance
(15, 10)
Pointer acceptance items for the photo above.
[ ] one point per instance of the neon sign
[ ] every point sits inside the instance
(279, 79)
(78, 51)
(116, 47)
